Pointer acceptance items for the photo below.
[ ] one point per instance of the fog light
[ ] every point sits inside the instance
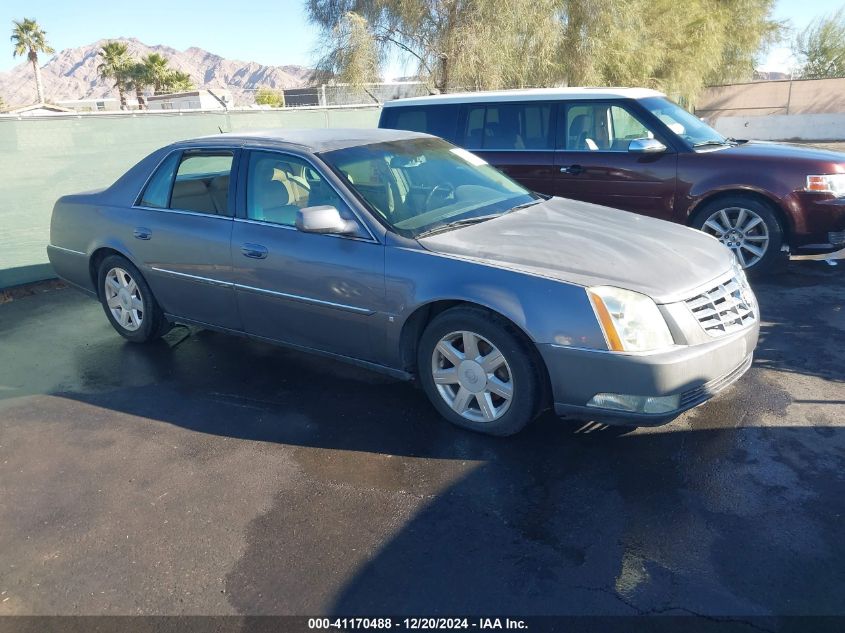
(635, 404)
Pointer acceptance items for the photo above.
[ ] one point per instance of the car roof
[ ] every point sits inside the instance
(533, 94)
(314, 140)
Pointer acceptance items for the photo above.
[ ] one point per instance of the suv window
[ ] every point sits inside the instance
(505, 126)
(439, 120)
(279, 185)
(202, 182)
(599, 127)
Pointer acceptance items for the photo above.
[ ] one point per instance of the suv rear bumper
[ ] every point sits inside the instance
(693, 373)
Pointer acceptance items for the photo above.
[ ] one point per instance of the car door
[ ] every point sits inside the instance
(593, 162)
(316, 291)
(180, 229)
(516, 138)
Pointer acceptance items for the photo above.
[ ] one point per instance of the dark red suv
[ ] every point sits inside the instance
(634, 149)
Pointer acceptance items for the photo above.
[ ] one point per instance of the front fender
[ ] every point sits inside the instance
(546, 310)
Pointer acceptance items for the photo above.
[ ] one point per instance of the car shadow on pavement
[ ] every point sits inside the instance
(720, 513)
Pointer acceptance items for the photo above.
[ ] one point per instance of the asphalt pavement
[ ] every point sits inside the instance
(207, 474)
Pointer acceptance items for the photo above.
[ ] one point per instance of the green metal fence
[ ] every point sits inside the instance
(44, 158)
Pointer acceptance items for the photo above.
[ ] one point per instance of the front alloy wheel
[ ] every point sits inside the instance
(741, 230)
(479, 371)
(124, 299)
(472, 376)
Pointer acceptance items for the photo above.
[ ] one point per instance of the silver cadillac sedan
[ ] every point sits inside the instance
(404, 254)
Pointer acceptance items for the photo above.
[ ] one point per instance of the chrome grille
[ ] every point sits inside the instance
(725, 308)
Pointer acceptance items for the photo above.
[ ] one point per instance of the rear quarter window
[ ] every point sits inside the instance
(157, 192)
(439, 120)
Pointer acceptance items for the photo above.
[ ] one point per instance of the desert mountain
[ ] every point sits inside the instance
(72, 74)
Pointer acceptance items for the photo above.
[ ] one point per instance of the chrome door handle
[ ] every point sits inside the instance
(572, 169)
(142, 233)
(255, 251)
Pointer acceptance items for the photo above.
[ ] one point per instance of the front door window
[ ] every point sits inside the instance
(600, 127)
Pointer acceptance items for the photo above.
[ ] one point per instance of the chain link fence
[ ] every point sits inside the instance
(330, 95)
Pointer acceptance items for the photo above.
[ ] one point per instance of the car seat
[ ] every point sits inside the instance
(578, 138)
(219, 191)
(270, 200)
(192, 194)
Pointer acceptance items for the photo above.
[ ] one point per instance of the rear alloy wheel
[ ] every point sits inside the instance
(479, 371)
(746, 226)
(124, 299)
(128, 301)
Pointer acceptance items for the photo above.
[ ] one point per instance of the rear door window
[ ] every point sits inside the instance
(508, 126)
(202, 182)
(474, 130)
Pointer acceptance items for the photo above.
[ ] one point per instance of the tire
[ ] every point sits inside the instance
(488, 410)
(742, 212)
(144, 320)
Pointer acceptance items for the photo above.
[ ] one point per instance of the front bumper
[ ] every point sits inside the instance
(696, 373)
(819, 222)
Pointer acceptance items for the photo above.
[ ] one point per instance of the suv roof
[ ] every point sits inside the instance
(533, 94)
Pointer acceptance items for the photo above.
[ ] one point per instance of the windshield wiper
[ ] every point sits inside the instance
(525, 205)
(727, 141)
(456, 224)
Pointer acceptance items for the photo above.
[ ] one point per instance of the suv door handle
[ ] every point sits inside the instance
(142, 233)
(256, 251)
(572, 169)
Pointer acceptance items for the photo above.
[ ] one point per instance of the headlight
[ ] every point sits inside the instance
(631, 321)
(738, 271)
(827, 183)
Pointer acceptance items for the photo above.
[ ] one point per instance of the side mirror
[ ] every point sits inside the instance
(646, 146)
(323, 219)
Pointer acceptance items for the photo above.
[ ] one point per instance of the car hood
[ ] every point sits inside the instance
(781, 151)
(589, 245)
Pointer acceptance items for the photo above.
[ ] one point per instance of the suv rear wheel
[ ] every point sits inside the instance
(749, 227)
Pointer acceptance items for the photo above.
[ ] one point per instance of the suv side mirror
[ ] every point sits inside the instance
(323, 219)
(646, 146)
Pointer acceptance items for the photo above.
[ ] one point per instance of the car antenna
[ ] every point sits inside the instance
(220, 128)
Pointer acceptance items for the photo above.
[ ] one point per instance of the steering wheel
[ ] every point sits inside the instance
(445, 190)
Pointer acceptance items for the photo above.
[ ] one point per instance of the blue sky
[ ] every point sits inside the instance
(264, 31)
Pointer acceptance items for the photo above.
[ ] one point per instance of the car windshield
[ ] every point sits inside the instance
(689, 127)
(419, 185)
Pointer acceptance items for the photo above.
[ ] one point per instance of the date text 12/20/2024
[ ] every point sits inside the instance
(436, 624)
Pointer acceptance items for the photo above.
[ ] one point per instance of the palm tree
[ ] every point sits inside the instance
(178, 81)
(116, 65)
(139, 79)
(158, 70)
(30, 39)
